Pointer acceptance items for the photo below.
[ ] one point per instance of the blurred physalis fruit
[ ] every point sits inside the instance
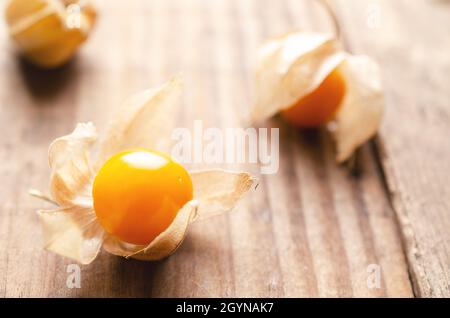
(49, 32)
(319, 106)
(312, 82)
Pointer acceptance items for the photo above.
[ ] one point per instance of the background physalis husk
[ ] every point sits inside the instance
(145, 121)
(293, 65)
(48, 32)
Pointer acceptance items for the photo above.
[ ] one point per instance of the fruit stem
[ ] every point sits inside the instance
(38, 194)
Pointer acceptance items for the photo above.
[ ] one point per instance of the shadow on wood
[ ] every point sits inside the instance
(47, 83)
(135, 278)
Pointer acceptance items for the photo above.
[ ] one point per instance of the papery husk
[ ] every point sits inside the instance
(69, 159)
(72, 230)
(144, 121)
(293, 65)
(361, 111)
(290, 67)
(48, 32)
(219, 190)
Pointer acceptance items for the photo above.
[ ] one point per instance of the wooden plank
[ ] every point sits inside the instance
(312, 229)
(412, 44)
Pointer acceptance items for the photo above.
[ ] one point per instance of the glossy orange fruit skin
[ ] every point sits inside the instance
(138, 193)
(320, 106)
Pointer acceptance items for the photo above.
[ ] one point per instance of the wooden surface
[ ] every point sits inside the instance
(313, 228)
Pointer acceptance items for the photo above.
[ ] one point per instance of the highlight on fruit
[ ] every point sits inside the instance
(132, 199)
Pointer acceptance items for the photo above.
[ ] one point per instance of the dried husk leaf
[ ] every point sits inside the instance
(70, 164)
(145, 121)
(291, 66)
(218, 191)
(360, 113)
(72, 232)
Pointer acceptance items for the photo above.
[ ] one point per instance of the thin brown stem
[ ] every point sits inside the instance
(38, 194)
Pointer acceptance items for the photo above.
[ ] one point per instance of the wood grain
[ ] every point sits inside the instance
(412, 43)
(310, 230)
